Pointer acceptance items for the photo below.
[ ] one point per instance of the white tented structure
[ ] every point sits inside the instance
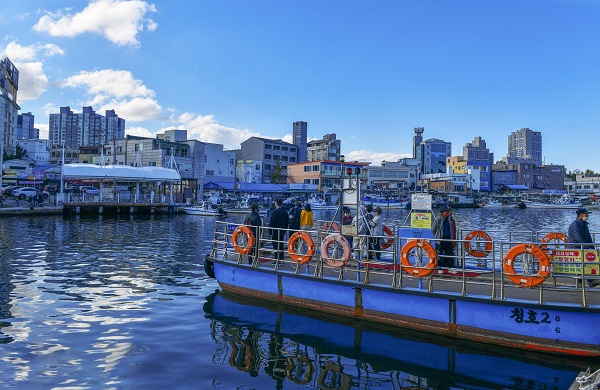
(121, 173)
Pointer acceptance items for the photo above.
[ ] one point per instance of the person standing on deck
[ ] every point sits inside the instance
(376, 226)
(294, 215)
(444, 229)
(254, 221)
(278, 228)
(579, 234)
(347, 220)
(360, 221)
(306, 218)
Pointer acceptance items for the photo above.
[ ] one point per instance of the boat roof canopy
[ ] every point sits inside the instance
(246, 187)
(120, 172)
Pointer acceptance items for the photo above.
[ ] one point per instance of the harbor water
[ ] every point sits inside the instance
(123, 303)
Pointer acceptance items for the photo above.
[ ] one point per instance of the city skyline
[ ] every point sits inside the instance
(370, 73)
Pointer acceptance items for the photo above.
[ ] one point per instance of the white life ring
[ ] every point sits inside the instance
(333, 261)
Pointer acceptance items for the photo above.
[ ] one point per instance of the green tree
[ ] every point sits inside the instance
(589, 172)
(19, 153)
(277, 176)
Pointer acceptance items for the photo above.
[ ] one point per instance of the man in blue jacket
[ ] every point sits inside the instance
(579, 234)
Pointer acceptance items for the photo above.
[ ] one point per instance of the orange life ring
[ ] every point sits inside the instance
(301, 258)
(327, 242)
(554, 236)
(291, 368)
(429, 250)
(523, 279)
(242, 250)
(389, 241)
(478, 234)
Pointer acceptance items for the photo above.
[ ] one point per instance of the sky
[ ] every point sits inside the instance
(369, 71)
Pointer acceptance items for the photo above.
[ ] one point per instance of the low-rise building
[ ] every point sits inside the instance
(327, 174)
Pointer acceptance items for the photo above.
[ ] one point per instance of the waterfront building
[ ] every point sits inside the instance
(524, 146)
(300, 134)
(536, 178)
(86, 128)
(417, 139)
(37, 150)
(328, 148)
(583, 185)
(248, 171)
(325, 174)
(432, 154)
(219, 164)
(275, 154)
(477, 151)
(9, 85)
(391, 175)
(25, 127)
(56, 154)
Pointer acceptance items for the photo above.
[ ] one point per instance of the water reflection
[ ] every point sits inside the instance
(264, 339)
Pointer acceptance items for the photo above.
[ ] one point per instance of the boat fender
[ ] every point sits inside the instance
(329, 241)
(387, 243)
(209, 267)
(525, 279)
(301, 258)
(418, 271)
(242, 250)
(480, 235)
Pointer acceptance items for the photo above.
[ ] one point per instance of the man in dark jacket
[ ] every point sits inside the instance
(253, 220)
(278, 228)
(294, 215)
(579, 234)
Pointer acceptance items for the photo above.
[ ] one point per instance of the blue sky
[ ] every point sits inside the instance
(369, 71)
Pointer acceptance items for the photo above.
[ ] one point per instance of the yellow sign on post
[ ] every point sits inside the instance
(420, 220)
(569, 261)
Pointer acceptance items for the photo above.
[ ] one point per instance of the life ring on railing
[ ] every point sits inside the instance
(478, 234)
(554, 236)
(327, 242)
(390, 241)
(429, 250)
(242, 250)
(290, 369)
(523, 279)
(301, 258)
(329, 227)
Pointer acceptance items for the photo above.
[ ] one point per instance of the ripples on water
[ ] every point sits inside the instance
(96, 302)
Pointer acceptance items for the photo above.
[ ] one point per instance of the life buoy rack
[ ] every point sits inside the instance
(429, 250)
(388, 232)
(340, 240)
(290, 370)
(523, 279)
(479, 234)
(242, 250)
(301, 258)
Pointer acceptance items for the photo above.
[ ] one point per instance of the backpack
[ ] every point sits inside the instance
(294, 214)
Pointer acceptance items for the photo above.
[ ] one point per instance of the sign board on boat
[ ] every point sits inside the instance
(421, 202)
(420, 220)
(568, 261)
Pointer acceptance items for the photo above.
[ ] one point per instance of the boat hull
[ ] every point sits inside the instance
(549, 328)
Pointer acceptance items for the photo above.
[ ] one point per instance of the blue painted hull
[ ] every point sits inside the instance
(551, 328)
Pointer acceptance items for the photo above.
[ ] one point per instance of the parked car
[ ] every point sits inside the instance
(89, 190)
(24, 192)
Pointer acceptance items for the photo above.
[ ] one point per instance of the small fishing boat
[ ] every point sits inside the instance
(317, 203)
(204, 209)
(385, 203)
(511, 288)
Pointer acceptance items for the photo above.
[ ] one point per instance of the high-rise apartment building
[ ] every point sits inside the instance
(432, 155)
(328, 148)
(85, 129)
(300, 133)
(477, 151)
(9, 109)
(25, 129)
(524, 146)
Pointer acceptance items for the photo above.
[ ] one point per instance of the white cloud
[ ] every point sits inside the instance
(50, 108)
(118, 21)
(118, 90)
(141, 132)
(206, 129)
(44, 128)
(32, 79)
(374, 158)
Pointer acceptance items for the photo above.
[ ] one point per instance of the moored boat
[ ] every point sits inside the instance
(204, 209)
(513, 289)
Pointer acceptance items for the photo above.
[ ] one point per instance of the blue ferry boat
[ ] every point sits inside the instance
(514, 289)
